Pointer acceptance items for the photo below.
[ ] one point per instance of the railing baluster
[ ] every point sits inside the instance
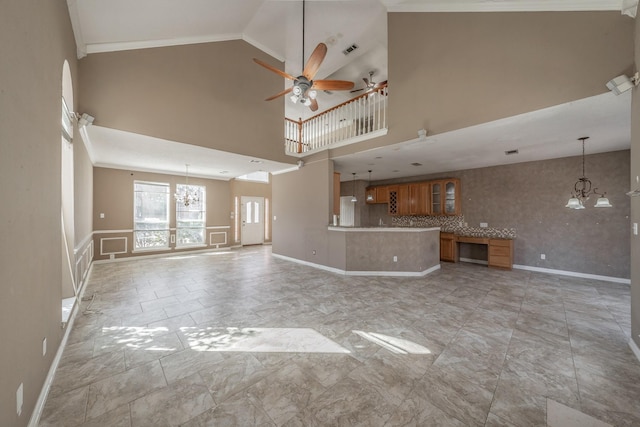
(359, 116)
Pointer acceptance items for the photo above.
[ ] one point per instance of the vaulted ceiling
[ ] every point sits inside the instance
(276, 27)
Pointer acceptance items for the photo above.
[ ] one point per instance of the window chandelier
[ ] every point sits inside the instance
(582, 189)
(187, 196)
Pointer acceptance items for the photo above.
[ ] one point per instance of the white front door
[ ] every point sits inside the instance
(252, 220)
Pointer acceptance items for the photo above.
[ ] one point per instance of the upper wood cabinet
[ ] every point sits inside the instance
(445, 197)
(451, 196)
(377, 195)
(440, 197)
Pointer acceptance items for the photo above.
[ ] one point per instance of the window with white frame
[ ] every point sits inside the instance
(150, 215)
(191, 217)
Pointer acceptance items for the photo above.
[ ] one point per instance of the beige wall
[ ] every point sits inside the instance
(635, 202)
(113, 196)
(531, 196)
(35, 39)
(209, 94)
(302, 207)
(241, 188)
(83, 192)
(448, 71)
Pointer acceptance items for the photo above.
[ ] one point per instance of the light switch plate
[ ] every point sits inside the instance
(635, 228)
(484, 224)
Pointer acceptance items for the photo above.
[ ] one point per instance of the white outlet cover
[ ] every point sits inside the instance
(484, 225)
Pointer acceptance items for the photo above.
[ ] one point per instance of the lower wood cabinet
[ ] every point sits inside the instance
(500, 251)
(448, 247)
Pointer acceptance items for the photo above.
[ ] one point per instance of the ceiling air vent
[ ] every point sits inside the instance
(510, 152)
(350, 49)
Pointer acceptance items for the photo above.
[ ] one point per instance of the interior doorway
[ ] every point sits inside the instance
(252, 216)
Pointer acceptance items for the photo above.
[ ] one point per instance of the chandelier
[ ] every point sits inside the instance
(187, 196)
(582, 189)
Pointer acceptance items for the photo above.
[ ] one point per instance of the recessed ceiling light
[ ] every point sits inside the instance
(256, 161)
(416, 164)
(510, 152)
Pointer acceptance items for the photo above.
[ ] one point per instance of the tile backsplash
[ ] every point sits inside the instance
(452, 224)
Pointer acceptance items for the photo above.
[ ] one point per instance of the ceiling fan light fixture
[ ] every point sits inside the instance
(312, 94)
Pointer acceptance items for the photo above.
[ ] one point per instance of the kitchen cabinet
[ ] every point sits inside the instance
(403, 200)
(451, 196)
(382, 194)
(445, 197)
(440, 197)
(448, 247)
(500, 253)
(392, 208)
(375, 195)
(436, 198)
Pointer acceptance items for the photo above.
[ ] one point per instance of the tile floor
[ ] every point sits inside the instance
(240, 338)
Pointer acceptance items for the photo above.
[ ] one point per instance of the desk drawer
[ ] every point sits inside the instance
(499, 251)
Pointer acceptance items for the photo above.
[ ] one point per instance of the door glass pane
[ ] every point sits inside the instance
(249, 216)
(256, 213)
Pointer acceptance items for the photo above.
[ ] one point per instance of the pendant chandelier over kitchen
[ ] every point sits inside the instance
(582, 189)
(186, 196)
(369, 195)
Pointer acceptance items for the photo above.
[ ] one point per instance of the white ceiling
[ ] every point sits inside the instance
(544, 134)
(275, 26)
(118, 149)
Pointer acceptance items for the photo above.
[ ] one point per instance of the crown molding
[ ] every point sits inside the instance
(146, 44)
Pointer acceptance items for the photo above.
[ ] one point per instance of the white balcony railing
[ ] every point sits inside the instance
(345, 123)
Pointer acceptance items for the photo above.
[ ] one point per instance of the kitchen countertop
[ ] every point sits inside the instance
(386, 229)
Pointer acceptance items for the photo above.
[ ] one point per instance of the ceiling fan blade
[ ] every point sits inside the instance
(357, 90)
(381, 84)
(316, 58)
(332, 85)
(275, 70)
(366, 81)
(314, 105)
(284, 92)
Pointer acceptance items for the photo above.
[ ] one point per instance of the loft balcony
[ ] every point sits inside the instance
(361, 118)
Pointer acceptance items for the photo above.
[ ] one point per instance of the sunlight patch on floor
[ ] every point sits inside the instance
(393, 344)
(260, 340)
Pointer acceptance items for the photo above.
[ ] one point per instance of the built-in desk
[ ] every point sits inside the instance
(500, 251)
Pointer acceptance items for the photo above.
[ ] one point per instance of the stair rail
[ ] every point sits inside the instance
(345, 123)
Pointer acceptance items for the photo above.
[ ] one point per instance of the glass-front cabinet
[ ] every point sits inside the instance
(436, 198)
(445, 197)
(451, 197)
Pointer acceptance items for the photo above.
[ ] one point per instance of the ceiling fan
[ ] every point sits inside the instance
(304, 87)
(370, 85)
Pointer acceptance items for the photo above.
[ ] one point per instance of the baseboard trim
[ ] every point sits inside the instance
(634, 348)
(34, 421)
(360, 273)
(573, 274)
